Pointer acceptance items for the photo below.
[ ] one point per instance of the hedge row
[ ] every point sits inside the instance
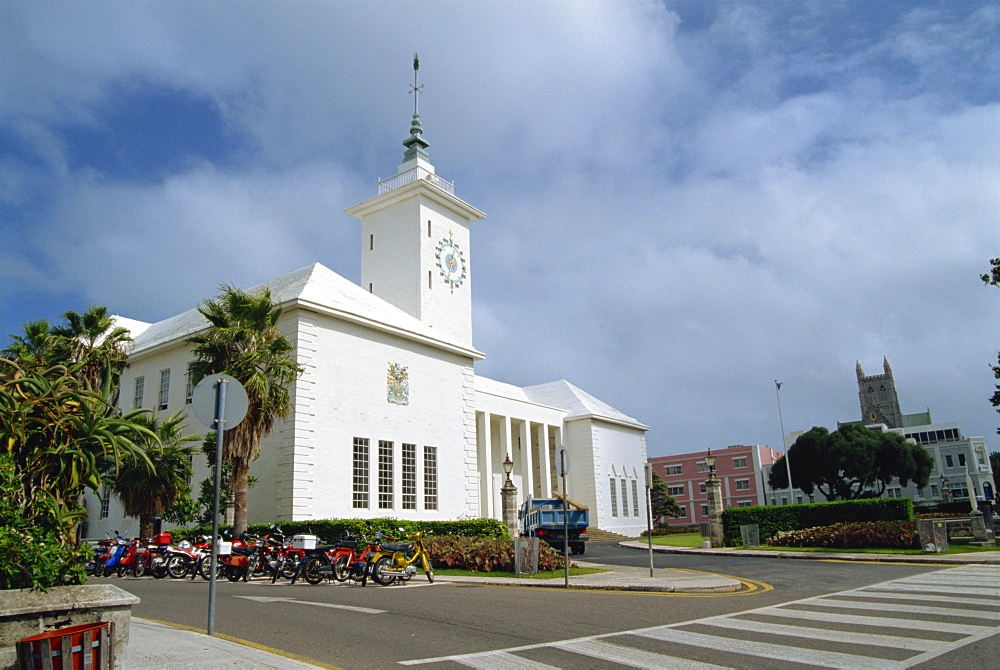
(775, 519)
(329, 530)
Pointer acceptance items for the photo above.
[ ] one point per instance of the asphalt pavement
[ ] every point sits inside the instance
(154, 644)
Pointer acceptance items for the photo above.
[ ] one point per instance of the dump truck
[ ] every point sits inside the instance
(548, 519)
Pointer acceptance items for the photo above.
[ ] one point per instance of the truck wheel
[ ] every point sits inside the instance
(579, 548)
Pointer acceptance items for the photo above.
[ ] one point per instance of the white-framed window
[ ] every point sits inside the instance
(140, 384)
(744, 503)
(893, 492)
(934, 491)
(684, 512)
(701, 487)
(635, 498)
(408, 463)
(949, 461)
(188, 387)
(430, 478)
(384, 474)
(704, 510)
(740, 462)
(961, 460)
(675, 490)
(105, 501)
(702, 466)
(614, 497)
(360, 466)
(164, 388)
(742, 484)
(672, 470)
(624, 498)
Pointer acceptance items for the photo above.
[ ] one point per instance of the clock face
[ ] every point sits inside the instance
(451, 262)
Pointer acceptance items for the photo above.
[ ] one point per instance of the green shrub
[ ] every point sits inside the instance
(853, 535)
(33, 556)
(329, 530)
(775, 519)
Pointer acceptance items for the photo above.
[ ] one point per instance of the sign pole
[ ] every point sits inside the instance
(220, 423)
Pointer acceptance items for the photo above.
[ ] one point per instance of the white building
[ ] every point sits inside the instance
(389, 418)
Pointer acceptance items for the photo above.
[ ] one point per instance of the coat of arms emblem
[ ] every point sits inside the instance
(398, 384)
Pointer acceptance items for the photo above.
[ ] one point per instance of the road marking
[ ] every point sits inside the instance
(882, 634)
(296, 601)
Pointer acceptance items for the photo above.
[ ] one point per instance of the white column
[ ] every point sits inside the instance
(545, 472)
(527, 467)
(485, 453)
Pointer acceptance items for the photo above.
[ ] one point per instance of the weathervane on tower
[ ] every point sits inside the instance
(416, 146)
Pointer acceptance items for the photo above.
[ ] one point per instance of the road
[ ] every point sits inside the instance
(793, 624)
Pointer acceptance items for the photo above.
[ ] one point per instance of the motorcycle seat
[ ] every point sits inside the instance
(347, 544)
(408, 546)
(244, 551)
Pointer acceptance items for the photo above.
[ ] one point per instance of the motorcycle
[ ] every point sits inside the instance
(398, 561)
(343, 560)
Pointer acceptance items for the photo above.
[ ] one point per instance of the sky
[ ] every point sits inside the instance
(686, 200)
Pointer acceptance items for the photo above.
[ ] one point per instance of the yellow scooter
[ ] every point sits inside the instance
(392, 561)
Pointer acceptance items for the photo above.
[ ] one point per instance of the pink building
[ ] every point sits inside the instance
(740, 467)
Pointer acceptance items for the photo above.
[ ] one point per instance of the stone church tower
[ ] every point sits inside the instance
(879, 402)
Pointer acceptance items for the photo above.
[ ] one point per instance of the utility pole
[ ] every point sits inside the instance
(788, 466)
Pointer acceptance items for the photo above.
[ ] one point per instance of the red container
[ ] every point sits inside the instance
(161, 538)
(74, 647)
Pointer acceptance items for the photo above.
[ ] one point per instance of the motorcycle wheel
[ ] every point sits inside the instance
(378, 571)
(109, 570)
(177, 567)
(140, 568)
(310, 572)
(288, 568)
(340, 570)
(234, 574)
(122, 570)
(206, 569)
(158, 567)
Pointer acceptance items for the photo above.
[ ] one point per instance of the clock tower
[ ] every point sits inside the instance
(415, 240)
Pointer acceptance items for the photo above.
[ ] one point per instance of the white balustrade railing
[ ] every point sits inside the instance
(410, 176)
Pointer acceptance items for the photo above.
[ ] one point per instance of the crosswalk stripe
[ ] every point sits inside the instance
(957, 590)
(907, 595)
(881, 622)
(871, 639)
(499, 660)
(906, 609)
(633, 658)
(813, 657)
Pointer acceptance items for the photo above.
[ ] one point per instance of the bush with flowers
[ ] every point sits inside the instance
(852, 535)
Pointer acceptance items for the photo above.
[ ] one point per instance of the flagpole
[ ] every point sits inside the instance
(788, 466)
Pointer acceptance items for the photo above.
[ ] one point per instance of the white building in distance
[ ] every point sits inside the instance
(389, 418)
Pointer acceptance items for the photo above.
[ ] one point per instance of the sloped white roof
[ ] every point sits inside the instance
(578, 403)
(321, 289)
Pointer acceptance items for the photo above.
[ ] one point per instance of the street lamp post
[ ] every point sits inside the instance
(781, 420)
(945, 488)
(713, 487)
(508, 497)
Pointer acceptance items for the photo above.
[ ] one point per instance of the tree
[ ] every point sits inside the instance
(60, 437)
(993, 279)
(662, 503)
(995, 465)
(149, 486)
(852, 462)
(94, 347)
(243, 340)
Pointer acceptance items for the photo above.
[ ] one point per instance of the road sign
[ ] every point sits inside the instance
(562, 461)
(204, 396)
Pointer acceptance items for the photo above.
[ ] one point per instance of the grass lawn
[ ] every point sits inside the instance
(550, 574)
(694, 540)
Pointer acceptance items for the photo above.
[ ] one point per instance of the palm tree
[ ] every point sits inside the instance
(34, 347)
(96, 349)
(243, 341)
(146, 489)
